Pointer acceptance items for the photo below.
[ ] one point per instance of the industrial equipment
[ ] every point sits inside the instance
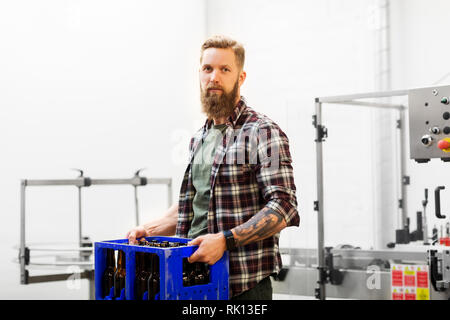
(429, 114)
(402, 271)
(84, 248)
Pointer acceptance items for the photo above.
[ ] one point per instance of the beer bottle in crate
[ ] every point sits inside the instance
(206, 272)
(165, 244)
(119, 276)
(199, 277)
(143, 242)
(191, 273)
(142, 273)
(108, 275)
(153, 280)
(186, 273)
(155, 243)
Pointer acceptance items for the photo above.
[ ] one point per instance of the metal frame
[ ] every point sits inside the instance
(85, 249)
(321, 133)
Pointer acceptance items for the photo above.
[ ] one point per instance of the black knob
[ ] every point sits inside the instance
(435, 130)
(447, 130)
(446, 115)
(427, 140)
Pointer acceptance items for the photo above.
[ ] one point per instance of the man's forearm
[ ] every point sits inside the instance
(264, 224)
(164, 226)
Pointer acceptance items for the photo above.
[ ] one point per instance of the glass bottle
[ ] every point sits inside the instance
(119, 276)
(108, 275)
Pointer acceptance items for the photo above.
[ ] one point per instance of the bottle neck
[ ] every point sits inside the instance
(155, 264)
(110, 259)
(121, 260)
(140, 261)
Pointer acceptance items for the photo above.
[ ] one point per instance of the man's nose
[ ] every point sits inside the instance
(214, 77)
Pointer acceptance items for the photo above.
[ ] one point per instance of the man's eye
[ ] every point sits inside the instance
(207, 68)
(226, 69)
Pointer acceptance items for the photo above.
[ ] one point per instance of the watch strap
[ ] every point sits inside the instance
(229, 239)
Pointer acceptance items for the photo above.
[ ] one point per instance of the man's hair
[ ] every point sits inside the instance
(224, 42)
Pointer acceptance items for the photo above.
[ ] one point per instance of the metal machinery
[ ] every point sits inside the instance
(344, 271)
(84, 250)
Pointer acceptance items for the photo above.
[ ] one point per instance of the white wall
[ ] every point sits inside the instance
(296, 51)
(105, 86)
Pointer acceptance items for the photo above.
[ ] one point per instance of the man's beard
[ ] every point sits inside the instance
(219, 105)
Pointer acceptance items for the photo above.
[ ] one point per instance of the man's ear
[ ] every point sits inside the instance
(242, 77)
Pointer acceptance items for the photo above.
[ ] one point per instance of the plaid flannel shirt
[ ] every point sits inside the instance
(251, 170)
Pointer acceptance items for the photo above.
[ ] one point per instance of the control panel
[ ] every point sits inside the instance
(429, 123)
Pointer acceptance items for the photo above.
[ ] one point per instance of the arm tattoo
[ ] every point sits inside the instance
(264, 224)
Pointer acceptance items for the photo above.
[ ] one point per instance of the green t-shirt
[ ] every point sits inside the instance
(201, 175)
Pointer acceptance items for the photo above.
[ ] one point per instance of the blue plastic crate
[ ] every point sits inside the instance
(170, 271)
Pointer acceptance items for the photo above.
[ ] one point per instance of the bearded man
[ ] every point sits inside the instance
(238, 190)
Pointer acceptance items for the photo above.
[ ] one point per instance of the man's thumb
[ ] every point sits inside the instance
(195, 242)
(131, 237)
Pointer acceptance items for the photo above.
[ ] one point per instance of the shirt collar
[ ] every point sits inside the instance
(232, 119)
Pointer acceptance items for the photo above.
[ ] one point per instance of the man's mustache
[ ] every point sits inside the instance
(212, 87)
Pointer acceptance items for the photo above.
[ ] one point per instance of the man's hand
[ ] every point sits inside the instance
(164, 226)
(210, 250)
(136, 232)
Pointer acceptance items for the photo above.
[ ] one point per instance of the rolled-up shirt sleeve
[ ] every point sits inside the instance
(274, 173)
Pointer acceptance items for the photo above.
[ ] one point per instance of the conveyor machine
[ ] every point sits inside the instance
(346, 271)
(70, 260)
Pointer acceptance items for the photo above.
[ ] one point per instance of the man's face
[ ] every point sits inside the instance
(220, 80)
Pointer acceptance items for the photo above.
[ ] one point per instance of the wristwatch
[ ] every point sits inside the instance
(229, 239)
